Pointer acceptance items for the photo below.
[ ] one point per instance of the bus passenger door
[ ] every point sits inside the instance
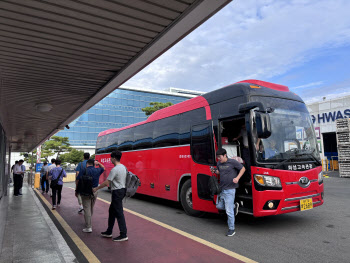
(203, 156)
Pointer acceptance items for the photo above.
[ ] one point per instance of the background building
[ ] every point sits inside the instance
(324, 115)
(121, 108)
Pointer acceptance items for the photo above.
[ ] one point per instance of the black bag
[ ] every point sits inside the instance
(86, 185)
(55, 182)
(214, 187)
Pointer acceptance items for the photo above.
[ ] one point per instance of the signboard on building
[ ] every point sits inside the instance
(343, 140)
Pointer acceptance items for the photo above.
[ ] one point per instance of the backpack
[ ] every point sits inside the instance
(85, 187)
(214, 187)
(131, 184)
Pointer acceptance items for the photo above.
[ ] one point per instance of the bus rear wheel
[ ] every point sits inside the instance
(186, 200)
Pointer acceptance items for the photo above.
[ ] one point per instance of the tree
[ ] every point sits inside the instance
(92, 156)
(155, 106)
(58, 145)
(46, 152)
(73, 157)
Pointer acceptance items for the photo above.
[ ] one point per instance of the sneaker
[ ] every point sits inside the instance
(120, 238)
(43, 193)
(236, 208)
(231, 233)
(81, 209)
(53, 207)
(87, 230)
(106, 234)
(58, 205)
(20, 194)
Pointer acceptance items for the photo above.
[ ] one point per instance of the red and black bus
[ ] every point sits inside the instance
(172, 151)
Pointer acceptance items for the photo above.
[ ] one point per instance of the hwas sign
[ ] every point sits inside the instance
(330, 116)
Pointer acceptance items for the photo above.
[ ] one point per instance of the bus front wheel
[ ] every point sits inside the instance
(186, 200)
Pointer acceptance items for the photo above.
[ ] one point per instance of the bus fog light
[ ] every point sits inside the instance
(271, 205)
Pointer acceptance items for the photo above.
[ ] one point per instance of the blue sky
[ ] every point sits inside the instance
(302, 44)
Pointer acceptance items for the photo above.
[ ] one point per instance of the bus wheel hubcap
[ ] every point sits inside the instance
(189, 197)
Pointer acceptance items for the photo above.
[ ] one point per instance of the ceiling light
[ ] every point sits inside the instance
(43, 107)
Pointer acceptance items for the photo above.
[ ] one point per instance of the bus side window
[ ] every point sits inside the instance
(143, 136)
(112, 142)
(202, 145)
(100, 144)
(126, 139)
(166, 132)
(186, 120)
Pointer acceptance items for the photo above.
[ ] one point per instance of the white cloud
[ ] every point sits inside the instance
(336, 90)
(250, 39)
(312, 84)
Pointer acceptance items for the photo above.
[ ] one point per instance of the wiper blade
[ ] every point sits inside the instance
(313, 157)
(310, 154)
(283, 162)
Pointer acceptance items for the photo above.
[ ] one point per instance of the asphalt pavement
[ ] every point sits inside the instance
(318, 235)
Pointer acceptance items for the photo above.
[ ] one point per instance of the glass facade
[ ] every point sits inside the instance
(121, 108)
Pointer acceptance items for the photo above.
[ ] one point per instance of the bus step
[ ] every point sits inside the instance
(245, 197)
(244, 210)
(248, 184)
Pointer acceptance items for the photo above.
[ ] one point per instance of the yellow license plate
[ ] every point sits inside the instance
(306, 204)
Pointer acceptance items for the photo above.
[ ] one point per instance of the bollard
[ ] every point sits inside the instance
(37, 180)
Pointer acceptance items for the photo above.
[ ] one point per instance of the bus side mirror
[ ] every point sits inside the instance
(263, 125)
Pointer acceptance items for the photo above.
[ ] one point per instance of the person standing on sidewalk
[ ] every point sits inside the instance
(44, 181)
(230, 172)
(88, 200)
(13, 171)
(80, 170)
(54, 173)
(116, 180)
(17, 177)
(23, 168)
(53, 165)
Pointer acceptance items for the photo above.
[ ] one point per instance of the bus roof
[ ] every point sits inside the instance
(241, 88)
(188, 105)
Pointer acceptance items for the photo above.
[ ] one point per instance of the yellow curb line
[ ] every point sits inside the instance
(197, 239)
(79, 243)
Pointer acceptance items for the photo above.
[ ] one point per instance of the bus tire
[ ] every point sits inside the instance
(186, 200)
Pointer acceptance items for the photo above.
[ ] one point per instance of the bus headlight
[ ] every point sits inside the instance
(320, 178)
(266, 180)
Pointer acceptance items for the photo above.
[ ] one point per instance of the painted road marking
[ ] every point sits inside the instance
(79, 243)
(183, 233)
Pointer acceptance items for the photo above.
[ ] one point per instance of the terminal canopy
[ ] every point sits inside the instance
(59, 58)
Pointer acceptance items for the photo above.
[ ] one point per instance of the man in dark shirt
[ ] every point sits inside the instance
(230, 172)
(89, 201)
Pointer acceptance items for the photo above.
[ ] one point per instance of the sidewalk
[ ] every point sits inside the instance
(29, 233)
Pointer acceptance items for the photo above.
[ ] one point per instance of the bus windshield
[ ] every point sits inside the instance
(293, 136)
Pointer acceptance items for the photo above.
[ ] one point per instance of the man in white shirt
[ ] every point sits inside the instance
(53, 165)
(17, 177)
(116, 180)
